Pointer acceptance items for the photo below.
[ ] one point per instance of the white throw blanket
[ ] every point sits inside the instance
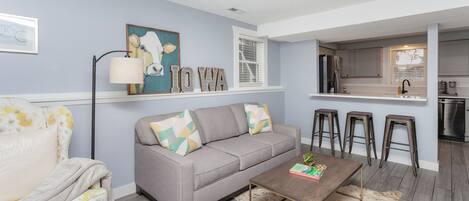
(70, 179)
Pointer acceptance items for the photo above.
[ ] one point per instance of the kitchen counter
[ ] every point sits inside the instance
(451, 96)
(371, 97)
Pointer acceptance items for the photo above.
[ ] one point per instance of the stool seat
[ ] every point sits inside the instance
(360, 114)
(399, 117)
(326, 111)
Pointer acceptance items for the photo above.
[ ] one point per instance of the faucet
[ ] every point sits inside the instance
(403, 91)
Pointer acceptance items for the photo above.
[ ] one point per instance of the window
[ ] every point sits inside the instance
(250, 59)
(409, 63)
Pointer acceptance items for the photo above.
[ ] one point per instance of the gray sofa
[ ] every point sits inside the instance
(227, 160)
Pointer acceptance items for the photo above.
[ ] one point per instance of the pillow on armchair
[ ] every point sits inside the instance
(17, 115)
(26, 159)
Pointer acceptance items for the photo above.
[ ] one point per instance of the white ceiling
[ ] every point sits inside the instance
(453, 19)
(264, 11)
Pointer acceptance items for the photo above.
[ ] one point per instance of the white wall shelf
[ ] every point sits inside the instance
(84, 98)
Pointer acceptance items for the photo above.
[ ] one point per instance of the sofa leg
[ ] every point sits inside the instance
(143, 193)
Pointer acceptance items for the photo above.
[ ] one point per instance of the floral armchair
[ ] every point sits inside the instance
(17, 115)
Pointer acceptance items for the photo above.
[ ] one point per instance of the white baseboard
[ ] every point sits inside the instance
(125, 190)
(360, 150)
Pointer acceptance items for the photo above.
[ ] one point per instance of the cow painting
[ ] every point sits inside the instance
(159, 50)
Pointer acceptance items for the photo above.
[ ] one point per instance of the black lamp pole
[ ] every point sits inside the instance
(93, 96)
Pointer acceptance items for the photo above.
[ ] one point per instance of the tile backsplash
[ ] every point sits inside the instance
(462, 83)
(381, 89)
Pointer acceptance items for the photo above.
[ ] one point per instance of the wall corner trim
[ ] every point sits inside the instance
(84, 98)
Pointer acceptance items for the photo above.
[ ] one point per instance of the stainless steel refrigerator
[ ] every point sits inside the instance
(329, 74)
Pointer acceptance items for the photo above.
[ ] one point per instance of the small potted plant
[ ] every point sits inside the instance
(308, 159)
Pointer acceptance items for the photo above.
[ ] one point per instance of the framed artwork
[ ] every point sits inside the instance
(159, 49)
(18, 34)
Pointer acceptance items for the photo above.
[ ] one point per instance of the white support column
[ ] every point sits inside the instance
(432, 85)
(315, 76)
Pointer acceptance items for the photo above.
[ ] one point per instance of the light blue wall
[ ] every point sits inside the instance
(70, 32)
(299, 66)
(274, 63)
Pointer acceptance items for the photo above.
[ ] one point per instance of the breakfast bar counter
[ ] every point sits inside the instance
(410, 98)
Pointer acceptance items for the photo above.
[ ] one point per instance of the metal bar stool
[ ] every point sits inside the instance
(409, 122)
(369, 133)
(332, 116)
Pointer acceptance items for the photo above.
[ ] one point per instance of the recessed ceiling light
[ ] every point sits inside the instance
(236, 10)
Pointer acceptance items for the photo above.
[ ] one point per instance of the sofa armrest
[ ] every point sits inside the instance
(291, 131)
(163, 174)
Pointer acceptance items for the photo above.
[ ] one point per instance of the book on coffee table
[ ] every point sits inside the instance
(314, 172)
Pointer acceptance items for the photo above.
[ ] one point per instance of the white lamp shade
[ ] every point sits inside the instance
(125, 70)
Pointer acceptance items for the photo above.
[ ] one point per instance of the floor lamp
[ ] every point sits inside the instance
(122, 70)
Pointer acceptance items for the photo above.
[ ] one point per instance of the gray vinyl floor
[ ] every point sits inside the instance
(450, 183)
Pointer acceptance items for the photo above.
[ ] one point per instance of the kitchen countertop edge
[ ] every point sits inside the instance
(457, 96)
(413, 99)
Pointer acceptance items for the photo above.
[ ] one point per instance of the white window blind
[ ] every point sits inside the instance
(251, 61)
(409, 64)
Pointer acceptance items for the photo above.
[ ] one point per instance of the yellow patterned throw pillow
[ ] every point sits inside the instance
(178, 134)
(258, 118)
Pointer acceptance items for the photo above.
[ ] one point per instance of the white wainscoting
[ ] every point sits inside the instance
(84, 98)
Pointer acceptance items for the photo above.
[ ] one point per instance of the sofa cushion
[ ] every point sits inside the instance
(240, 116)
(145, 134)
(280, 143)
(211, 165)
(217, 123)
(249, 152)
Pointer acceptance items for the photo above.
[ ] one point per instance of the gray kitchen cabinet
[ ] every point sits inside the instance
(361, 63)
(454, 58)
(345, 63)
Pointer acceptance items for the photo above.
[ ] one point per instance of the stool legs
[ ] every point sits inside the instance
(385, 142)
(367, 139)
(351, 135)
(347, 131)
(330, 120)
(321, 128)
(372, 127)
(338, 131)
(388, 145)
(314, 130)
(410, 130)
(415, 145)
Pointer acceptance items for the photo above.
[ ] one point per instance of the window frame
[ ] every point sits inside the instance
(250, 35)
(410, 47)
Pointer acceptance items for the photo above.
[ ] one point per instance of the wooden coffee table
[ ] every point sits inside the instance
(292, 187)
